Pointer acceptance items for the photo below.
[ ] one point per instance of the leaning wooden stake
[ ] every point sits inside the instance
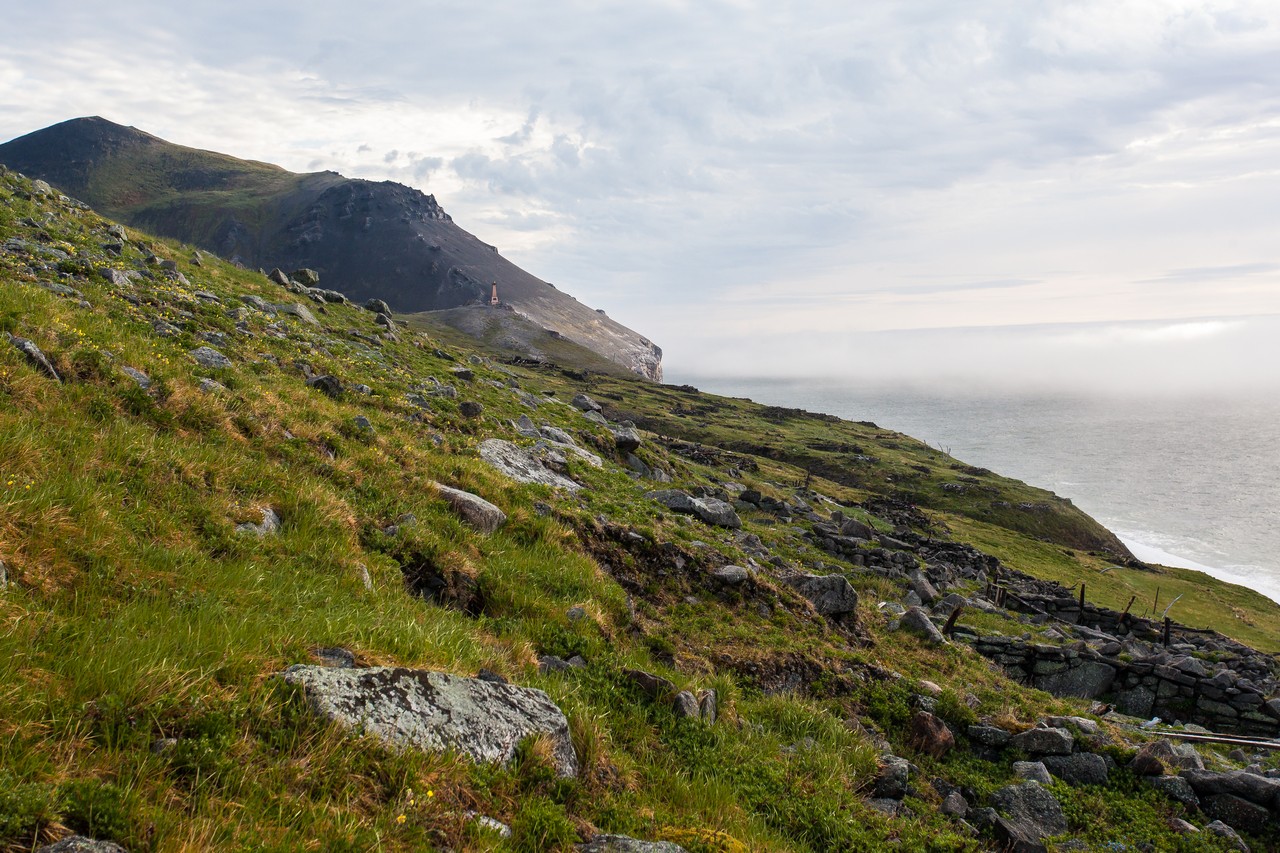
(950, 627)
(1082, 600)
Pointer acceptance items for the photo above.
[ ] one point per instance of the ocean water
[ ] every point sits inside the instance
(1189, 481)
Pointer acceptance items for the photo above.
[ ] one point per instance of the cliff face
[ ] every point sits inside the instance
(367, 239)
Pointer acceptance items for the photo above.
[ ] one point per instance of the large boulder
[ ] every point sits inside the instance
(891, 780)
(831, 595)
(929, 734)
(1228, 835)
(1044, 741)
(521, 465)
(210, 358)
(1031, 807)
(1158, 756)
(435, 711)
(1241, 783)
(710, 510)
(1237, 812)
(1080, 768)
(916, 621)
(481, 514)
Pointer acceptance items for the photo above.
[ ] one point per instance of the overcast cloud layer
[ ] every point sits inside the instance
(764, 186)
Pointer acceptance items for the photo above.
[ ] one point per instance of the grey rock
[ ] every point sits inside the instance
(623, 844)
(921, 586)
(525, 427)
(1182, 827)
(655, 687)
(708, 706)
(362, 423)
(710, 510)
(1154, 758)
(552, 663)
(891, 779)
(165, 330)
(885, 805)
(955, 805)
(81, 844)
(831, 595)
(521, 466)
(294, 309)
(335, 656)
(1241, 783)
(576, 613)
(685, 705)
(210, 358)
(1044, 741)
(1175, 788)
(1236, 812)
(326, 384)
(435, 711)
(377, 306)
(595, 418)
(1227, 834)
(259, 304)
(491, 824)
(270, 524)
(1089, 680)
(1136, 702)
(117, 278)
(989, 736)
(470, 409)
(306, 277)
(143, 380)
(34, 355)
(4, 575)
(584, 403)
(210, 386)
(731, 575)
(330, 296)
(1030, 806)
(1033, 771)
(1081, 768)
(917, 621)
(626, 439)
(555, 434)
(481, 514)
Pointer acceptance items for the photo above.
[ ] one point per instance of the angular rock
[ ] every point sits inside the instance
(584, 403)
(655, 687)
(326, 384)
(731, 575)
(917, 621)
(955, 805)
(210, 358)
(481, 514)
(306, 277)
(891, 780)
(521, 466)
(685, 705)
(623, 844)
(626, 438)
(1089, 680)
(34, 355)
(81, 844)
(1156, 757)
(1175, 788)
(434, 711)
(1080, 768)
(708, 707)
(595, 418)
(710, 510)
(831, 595)
(1044, 741)
(1227, 834)
(1250, 786)
(1236, 812)
(470, 409)
(1032, 771)
(143, 380)
(1032, 807)
(377, 306)
(989, 736)
(929, 734)
(294, 309)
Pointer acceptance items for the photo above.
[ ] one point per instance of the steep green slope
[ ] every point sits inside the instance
(142, 630)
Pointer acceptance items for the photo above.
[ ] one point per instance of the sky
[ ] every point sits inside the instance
(1035, 193)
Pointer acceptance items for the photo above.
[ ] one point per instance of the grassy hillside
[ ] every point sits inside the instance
(141, 630)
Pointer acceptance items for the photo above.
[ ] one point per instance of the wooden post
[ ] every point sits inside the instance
(1081, 601)
(1155, 605)
(1124, 617)
(1167, 625)
(950, 627)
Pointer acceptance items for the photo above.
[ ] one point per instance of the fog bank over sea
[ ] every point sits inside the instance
(1185, 480)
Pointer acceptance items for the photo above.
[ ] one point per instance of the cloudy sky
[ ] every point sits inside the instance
(1050, 190)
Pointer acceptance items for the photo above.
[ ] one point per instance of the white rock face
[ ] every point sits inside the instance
(434, 711)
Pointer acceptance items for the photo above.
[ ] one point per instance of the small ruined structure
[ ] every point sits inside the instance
(493, 300)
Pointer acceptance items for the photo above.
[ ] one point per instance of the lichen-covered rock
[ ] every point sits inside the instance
(481, 514)
(521, 465)
(831, 595)
(1044, 741)
(434, 711)
(710, 510)
(210, 358)
(1227, 834)
(1032, 807)
(34, 355)
(917, 621)
(623, 844)
(81, 844)
(1081, 768)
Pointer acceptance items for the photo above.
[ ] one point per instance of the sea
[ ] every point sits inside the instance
(1188, 481)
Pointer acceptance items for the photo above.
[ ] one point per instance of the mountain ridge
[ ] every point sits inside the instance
(368, 239)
